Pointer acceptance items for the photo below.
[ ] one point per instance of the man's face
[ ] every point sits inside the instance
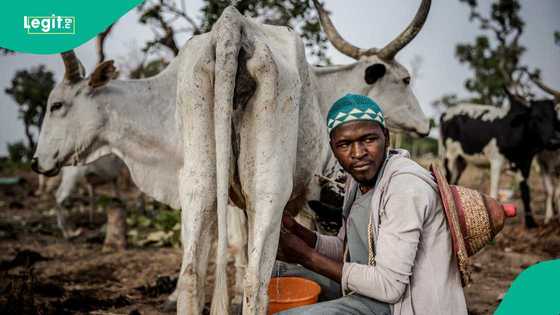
(360, 148)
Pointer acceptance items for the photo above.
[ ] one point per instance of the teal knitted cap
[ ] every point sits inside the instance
(354, 107)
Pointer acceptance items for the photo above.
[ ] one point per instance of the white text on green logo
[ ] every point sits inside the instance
(42, 25)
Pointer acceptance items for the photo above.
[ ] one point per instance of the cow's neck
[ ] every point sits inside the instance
(333, 82)
(142, 131)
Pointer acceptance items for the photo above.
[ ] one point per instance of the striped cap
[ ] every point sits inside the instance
(352, 107)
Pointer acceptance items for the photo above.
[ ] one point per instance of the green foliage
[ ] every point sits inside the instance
(30, 90)
(161, 229)
(497, 47)
(446, 101)
(17, 152)
(159, 14)
(150, 69)
(419, 146)
(557, 38)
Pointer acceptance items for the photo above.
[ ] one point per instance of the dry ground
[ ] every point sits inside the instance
(41, 273)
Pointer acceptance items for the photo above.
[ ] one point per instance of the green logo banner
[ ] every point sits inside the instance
(535, 291)
(54, 26)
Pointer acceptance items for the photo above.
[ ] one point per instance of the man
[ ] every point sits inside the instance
(393, 253)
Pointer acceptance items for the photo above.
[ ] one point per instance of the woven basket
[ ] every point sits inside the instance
(474, 219)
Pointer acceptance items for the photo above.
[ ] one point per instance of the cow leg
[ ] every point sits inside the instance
(238, 244)
(68, 184)
(61, 221)
(460, 166)
(549, 189)
(496, 164)
(197, 229)
(91, 193)
(446, 163)
(197, 178)
(40, 186)
(264, 223)
(454, 167)
(265, 176)
(526, 196)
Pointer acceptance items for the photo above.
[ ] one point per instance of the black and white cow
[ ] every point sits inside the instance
(479, 134)
(549, 163)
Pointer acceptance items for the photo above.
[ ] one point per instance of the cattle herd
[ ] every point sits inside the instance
(233, 131)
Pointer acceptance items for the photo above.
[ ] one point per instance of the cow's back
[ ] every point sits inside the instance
(474, 127)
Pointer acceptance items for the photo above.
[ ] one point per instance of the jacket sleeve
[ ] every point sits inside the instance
(331, 246)
(403, 208)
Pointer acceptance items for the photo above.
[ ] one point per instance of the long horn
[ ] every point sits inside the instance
(514, 87)
(513, 95)
(334, 37)
(544, 87)
(390, 50)
(73, 69)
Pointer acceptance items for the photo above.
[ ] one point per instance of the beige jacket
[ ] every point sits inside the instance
(415, 270)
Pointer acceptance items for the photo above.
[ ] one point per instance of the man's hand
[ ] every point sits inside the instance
(298, 246)
(289, 224)
(295, 249)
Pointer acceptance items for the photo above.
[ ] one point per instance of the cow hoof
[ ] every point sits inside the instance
(530, 223)
(169, 306)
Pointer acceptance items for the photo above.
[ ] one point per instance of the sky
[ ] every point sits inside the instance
(364, 23)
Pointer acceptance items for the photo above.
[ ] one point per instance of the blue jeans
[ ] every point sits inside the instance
(331, 301)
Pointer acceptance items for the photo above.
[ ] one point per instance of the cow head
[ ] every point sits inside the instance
(545, 124)
(548, 89)
(73, 117)
(540, 118)
(383, 78)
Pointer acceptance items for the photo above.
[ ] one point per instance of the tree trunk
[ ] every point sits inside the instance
(30, 142)
(115, 237)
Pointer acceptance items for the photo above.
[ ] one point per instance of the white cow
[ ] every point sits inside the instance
(262, 147)
(134, 120)
(266, 67)
(106, 170)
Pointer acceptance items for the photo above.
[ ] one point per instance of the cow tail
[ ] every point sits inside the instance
(228, 42)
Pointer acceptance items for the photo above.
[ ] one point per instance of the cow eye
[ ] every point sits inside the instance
(56, 106)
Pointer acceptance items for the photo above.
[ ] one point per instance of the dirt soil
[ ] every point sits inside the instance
(41, 273)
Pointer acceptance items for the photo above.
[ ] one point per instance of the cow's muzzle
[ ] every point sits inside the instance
(49, 173)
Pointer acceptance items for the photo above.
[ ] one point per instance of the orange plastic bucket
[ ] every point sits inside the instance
(289, 292)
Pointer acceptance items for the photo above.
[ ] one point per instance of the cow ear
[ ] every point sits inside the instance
(102, 74)
(375, 72)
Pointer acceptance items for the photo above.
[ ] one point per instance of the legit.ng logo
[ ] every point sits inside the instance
(50, 25)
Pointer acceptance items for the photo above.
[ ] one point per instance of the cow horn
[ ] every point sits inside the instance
(73, 69)
(515, 96)
(334, 37)
(545, 87)
(514, 87)
(390, 50)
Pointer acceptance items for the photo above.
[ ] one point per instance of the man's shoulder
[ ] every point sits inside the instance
(403, 164)
(409, 175)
